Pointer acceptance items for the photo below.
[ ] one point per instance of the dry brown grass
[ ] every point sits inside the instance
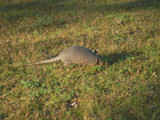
(126, 34)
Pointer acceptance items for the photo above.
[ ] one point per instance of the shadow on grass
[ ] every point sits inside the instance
(118, 57)
(56, 6)
(138, 4)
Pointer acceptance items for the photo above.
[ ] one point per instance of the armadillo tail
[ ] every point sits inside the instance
(47, 61)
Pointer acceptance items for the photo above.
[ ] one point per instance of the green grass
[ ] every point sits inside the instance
(127, 35)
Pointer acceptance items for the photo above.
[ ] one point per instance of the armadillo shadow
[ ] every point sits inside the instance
(118, 57)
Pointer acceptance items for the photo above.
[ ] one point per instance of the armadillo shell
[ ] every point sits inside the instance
(78, 55)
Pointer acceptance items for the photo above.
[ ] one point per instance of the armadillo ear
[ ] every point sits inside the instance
(96, 52)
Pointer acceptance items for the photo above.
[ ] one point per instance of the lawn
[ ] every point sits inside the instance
(126, 33)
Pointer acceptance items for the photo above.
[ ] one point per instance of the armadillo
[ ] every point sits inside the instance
(76, 55)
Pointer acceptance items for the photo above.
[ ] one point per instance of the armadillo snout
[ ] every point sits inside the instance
(100, 62)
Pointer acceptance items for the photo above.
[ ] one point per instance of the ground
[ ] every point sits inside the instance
(125, 32)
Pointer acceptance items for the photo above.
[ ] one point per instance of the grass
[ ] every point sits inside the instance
(127, 35)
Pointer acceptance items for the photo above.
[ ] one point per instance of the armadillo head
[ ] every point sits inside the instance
(99, 61)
